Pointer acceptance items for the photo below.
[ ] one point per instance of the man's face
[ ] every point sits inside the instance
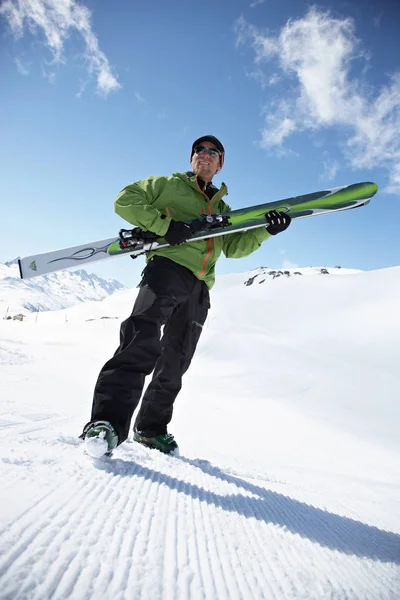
(203, 164)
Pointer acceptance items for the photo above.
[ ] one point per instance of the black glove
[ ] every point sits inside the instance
(277, 221)
(178, 232)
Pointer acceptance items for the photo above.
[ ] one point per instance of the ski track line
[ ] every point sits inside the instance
(203, 569)
(47, 529)
(163, 513)
(101, 540)
(254, 535)
(348, 568)
(38, 424)
(125, 525)
(258, 543)
(22, 530)
(263, 571)
(177, 571)
(199, 578)
(181, 496)
(61, 578)
(251, 577)
(122, 554)
(75, 515)
(244, 579)
(371, 587)
(203, 582)
(149, 548)
(176, 531)
(227, 582)
(8, 533)
(368, 584)
(148, 541)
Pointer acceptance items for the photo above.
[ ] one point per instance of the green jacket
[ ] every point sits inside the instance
(151, 204)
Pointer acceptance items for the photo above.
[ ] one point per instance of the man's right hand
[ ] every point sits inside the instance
(178, 232)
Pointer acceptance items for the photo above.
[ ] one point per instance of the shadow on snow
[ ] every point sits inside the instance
(322, 527)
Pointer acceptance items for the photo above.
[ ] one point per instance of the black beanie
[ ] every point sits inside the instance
(207, 138)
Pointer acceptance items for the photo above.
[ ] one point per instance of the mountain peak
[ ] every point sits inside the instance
(10, 263)
(53, 291)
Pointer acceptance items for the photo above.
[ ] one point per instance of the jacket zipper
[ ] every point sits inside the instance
(210, 240)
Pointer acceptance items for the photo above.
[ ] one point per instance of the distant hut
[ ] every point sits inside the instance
(19, 317)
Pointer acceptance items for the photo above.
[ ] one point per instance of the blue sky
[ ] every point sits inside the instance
(95, 95)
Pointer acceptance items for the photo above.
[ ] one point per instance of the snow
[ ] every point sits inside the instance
(96, 447)
(288, 481)
(49, 292)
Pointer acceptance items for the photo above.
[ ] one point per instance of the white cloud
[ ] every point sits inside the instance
(140, 98)
(82, 87)
(256, 3)
(57, 19)
(262, 78)
(274, 79)
(331, 167)
(49, 75)
(377, 20)
(21, 67)
(316, 54)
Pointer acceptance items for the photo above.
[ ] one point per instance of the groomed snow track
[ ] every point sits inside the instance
(144, 525)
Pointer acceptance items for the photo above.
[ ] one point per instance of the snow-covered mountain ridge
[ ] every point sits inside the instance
(64, 289)
(262, 274)
(50, 292)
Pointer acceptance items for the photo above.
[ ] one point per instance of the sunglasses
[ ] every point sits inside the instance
(204, 150)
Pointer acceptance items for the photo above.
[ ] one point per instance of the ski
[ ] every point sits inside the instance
(136, 242)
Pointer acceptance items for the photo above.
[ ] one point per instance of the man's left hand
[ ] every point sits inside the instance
(277, 221)
(178, 232)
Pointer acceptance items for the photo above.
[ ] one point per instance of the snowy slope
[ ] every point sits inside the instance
(288, 483)
(50, 292)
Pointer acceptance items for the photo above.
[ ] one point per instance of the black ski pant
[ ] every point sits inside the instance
(169, 295)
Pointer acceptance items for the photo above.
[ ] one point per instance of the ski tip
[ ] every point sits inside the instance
(373, 186)
(370, 188)
(364, 190)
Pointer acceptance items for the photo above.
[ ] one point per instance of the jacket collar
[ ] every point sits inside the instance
(190, 178)
(206, 187)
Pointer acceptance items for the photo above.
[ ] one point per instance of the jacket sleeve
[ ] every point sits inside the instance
(242, 243)
(134, 204)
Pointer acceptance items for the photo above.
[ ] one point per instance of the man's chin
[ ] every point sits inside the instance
(205, 175)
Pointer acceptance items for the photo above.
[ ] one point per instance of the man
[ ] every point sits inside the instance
(173, 292)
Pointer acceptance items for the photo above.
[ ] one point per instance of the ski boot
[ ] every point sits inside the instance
(100, 439)
(164, 443)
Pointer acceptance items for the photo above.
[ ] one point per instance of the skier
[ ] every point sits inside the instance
(174, 292)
